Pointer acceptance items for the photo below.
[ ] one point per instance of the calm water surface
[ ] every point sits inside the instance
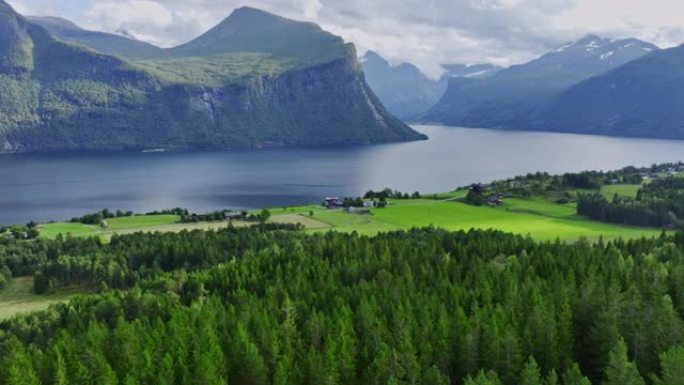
(56, 187)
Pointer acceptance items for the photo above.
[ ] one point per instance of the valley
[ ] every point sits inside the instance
(341, 193)
(536, 217)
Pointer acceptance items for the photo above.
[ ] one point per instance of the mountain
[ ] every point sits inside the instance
(99, 41)
(403, 89)
(511, 98)
(642, 98)
(255, 80)
(252, 30)
(473, 71)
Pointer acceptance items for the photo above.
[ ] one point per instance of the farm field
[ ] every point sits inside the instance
(543, 220)
(623, 190)
(115, 226)
(18, 297)
(539, 218)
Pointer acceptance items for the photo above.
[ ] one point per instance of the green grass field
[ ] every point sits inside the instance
(51, 230)
(539, 218)
(623, 190)
(18, 298)
(115, 226)
(141, 221)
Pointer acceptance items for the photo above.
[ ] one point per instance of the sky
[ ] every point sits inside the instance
(427, 33)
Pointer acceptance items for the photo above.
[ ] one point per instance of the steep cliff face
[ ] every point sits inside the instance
(325, 105)
(64, 97)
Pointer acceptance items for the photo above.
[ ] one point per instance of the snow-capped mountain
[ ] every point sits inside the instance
(511, 97)
(472, 71)
(589, 56)
(641, 98)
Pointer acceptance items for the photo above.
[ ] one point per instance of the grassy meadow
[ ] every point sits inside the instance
(537, 217)
(541, 219)
(115, 226)
(622, 190)
(18, 297)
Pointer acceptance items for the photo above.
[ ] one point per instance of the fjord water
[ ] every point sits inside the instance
(57, 187)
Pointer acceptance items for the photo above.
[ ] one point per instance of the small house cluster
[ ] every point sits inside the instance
(497, 199)
(353, 206)
(333, 203)
(224, 215)
(358, 210)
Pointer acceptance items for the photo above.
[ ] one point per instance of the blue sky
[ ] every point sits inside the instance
(425, 32)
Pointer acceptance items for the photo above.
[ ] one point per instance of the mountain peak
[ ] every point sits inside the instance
(247, 10)
(596, 44)
(246, 16)
(374, 57)
(253, 30)
(590, 37)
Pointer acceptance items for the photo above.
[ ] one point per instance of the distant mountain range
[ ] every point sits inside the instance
(403, 89)
(406, 91)
(594, 86)
(642, 98)
(255, 80)
(511, 97)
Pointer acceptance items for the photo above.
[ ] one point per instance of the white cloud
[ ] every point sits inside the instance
(425, 32)
(145, 19)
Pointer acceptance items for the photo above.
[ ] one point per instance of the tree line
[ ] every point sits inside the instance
(269, 305)
(659, 203)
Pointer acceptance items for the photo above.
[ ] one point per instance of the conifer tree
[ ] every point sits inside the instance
(672, 367)
(620, 370)
(17, 366)
(573, 376)
(552, 378)
(530, 374)
(483, 378)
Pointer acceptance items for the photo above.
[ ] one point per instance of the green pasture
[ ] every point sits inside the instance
(537, 217)
(622, 190)
(18, 297)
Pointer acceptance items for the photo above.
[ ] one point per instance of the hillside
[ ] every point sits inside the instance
(513, 97)
(99, 41)
(306, 89)
(642, 98)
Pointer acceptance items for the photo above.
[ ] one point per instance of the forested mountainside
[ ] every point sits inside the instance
(273, 306)
(254, 80)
